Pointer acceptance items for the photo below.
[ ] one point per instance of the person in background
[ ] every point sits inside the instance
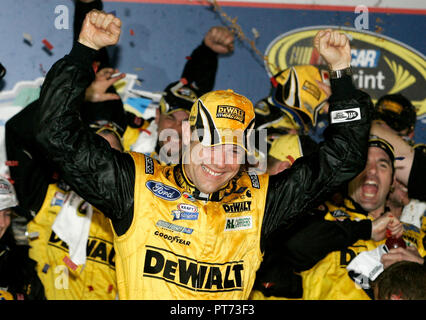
(18, 278)
(404, 280)
(311, 263)
(333, 277)
(398, 113)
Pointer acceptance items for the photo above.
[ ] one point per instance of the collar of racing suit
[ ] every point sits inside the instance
(191, 191)
(351, 205)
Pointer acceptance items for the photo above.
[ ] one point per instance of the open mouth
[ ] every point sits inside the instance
(211, 172)
(370, 188)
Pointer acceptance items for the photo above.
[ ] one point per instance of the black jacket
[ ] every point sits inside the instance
(17, 270)
(106, 177)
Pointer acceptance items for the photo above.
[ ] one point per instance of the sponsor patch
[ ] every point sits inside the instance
(339, 214)
(173, 227)
(149, 165)
(230, 112)
(162, 191)
(254, 180)
(347, 115)
(58, 199)
(238, 223)
(237, 206)
(312, 89)
(189, 196)
(184, 215)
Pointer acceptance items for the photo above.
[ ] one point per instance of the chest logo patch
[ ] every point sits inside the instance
(238, 223)
(162, 191)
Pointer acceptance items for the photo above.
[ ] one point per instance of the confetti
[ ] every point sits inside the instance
(43, 72)
(69, 263)
(47, 44)
(45, 268)
(28, 39)
(255, 33)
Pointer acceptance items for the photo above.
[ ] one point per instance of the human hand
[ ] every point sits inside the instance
(100, 30)
(96, 92)
(334, 48)
(327, 90)
(401, 254)
(384, 223)
(220, 39)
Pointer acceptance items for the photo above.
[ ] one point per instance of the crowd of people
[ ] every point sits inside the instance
(214, 198)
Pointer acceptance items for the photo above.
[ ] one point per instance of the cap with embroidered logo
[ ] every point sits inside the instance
(7, 194)
(297, 92)
(178, 96)
(223, 117)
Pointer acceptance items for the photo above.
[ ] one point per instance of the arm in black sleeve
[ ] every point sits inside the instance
(315, 239)
(80, 11)
(341, 156)
(417, 176)
(29, 169)
(101, 175)
(200, 69)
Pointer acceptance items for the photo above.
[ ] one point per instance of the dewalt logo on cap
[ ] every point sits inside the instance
(230, 112)
(223, 117)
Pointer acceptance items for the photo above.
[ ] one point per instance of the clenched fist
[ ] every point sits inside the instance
(100, 30)
(334, 48)
(220, 39)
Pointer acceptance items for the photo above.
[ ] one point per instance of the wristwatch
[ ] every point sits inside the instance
(337, 74)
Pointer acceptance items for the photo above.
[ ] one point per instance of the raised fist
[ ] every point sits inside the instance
(220, 39)
(334, 48)
(100, 30)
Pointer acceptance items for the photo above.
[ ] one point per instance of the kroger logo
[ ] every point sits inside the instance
(162, 191)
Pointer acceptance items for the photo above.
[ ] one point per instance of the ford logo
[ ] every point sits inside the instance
(162, 191)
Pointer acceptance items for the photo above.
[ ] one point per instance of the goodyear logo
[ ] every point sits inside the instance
(192, 274)
(230, 112)
(381, 65)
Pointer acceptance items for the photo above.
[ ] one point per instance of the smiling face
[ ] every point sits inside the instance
(211, 168)
(370, 188)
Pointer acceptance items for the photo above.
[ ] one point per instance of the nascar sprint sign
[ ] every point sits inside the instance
(381, 65)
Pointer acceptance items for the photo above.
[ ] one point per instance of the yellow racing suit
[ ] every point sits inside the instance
(62, 279)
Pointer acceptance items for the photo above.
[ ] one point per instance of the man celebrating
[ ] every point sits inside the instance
(195, 230)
